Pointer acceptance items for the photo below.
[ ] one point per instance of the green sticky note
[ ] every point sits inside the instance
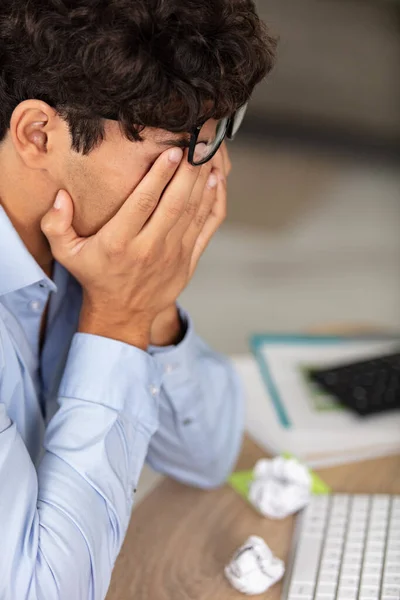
(240, 481)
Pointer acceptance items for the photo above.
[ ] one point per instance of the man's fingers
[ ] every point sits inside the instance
(216, 216)
(57, 226)
(204, 210)
(174, 200)
(193, 204)
(145, 198)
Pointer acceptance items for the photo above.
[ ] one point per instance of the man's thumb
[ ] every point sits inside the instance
(57, 223)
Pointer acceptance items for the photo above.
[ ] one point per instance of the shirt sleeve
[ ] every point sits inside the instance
(62, 527)
(201, 416)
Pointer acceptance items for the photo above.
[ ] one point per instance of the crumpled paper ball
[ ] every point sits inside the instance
(281, 487)
(285, 469)
(253, 568)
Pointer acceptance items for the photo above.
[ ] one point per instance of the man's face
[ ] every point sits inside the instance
(100, 182)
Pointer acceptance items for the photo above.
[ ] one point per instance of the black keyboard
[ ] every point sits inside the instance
(366, 387)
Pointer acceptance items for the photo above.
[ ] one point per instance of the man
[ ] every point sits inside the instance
(113, 181)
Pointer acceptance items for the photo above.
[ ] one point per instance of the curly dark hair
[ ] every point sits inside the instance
(168, 64)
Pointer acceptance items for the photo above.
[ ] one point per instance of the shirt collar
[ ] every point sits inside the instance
(18, 268)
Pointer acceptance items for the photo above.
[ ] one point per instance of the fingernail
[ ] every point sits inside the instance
(175, 155)
(212, 181)
(57, 202)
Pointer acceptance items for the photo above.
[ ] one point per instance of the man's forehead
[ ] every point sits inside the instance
(166, 138)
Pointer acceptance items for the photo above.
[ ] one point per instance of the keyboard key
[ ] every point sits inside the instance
(353, 558)
(377, 536)
(301, 590)
(332, 566)
(393, 557)
(380, 509)
(332, 554)
(336, 533)
(347, 595)
(326, 589)
(349, 582)
(350, 570)
(380, 499)
(379, 512)
(391, 568)
(315, 521)
(371, 579)
(315, 532)
(369, 593)
(361, 500)
(357, 528)
(350, 589)
(373, 559)
(391, 579)
(340, 500)
(372, 569)
(391, 590)
(333, 544)
(393, 546)
(377, 525)
(328, 577)
(354, 546)
(375, 546)
(356, 533)
(307, 560)
(359, 511)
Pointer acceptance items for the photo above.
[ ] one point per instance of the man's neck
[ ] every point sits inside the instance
(25, 199)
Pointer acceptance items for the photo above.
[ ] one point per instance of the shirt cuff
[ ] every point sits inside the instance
(113, 374)
(177, 361)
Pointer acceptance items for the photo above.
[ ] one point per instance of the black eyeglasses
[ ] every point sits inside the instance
(206, 139)
(203, 147)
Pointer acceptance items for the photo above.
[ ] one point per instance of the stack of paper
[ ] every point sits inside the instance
(287, 413)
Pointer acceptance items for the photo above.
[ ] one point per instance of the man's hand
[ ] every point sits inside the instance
(166, 328)
(135, 267)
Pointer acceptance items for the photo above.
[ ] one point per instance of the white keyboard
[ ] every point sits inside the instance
(346, 548)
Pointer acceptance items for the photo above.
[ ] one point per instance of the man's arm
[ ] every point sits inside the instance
(201, 413)
(62, 529)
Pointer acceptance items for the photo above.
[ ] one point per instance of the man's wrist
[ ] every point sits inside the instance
(135, 332)
(167, 328)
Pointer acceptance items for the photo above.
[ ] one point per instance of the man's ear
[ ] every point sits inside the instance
(31, 126)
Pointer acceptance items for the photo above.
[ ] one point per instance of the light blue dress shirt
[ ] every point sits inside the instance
(77, 422)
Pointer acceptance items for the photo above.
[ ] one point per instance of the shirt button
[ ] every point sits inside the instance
(169, 368)
(154, 390)
(42, 285)
(35, 306)
(187, 422)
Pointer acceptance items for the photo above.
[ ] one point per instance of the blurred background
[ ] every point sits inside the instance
(313, 232)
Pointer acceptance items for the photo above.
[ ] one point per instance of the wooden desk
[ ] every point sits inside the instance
(180, 538)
